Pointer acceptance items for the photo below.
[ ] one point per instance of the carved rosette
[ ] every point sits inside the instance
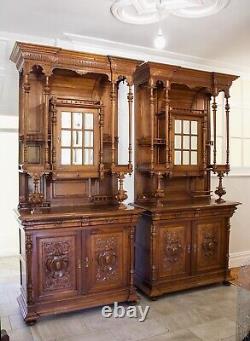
(173, 247)
(106, 259)
(209, 244)
(56, 257)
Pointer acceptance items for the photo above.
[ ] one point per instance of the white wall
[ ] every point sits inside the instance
(237, 187)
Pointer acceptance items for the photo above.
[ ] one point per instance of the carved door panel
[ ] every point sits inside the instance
(107, 258)
(208, 245)
(174, 249)
(58, 264)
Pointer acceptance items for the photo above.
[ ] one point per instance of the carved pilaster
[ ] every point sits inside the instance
(132, 256)
(153, 252)
(29, 249)
(228, 227)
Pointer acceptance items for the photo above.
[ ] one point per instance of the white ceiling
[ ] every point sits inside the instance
(223, 37)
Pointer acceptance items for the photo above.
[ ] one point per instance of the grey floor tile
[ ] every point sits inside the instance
(182, 335)
(90, 336)
(215, 330)
(48, 329)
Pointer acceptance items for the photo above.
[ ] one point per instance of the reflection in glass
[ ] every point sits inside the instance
(88, 123)
(177, 157)
(185, 158)
(77, 120)
(194, 142)
(65, 156)
(77, 138)
(77, 156)
(88, 139)
(65, 138)
(177, 126)
(186, 127)
(88, 157)
(66, 119)
(177, 142)
(193, 158)
(194, 125)
(186, 142)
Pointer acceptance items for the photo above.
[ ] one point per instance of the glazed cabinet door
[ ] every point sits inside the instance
(174, 249)
(107, 258)
(57, 264)
(208, 245)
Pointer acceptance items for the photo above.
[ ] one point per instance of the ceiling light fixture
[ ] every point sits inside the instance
(160, 40)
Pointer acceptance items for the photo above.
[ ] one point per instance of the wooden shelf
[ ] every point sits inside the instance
(146, 141)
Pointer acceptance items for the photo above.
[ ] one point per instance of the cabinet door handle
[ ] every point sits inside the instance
(195, 247)
(189, 249)
(79, 264)
(86, 262)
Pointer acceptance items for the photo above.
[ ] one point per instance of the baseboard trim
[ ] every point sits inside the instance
(237, 259)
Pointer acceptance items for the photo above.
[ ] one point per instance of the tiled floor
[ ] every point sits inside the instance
(203, 314)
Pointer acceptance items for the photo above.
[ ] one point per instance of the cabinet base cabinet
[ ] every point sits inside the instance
(182, 247)
(75, 260)
(31, 313)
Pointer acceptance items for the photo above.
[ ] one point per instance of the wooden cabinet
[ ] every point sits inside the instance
(182, 239)
(76, 235)
(76, 260)
(182, 253)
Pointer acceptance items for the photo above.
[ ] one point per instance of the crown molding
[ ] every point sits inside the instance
(119, 49)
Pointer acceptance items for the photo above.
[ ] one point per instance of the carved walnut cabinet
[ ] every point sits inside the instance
(182, 238)
(76, 235)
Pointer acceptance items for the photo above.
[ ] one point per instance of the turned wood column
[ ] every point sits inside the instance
(152, 114)
(214, 109)
(101, 126)
(113, 97)
(167, 110)
(130, 110)
(46, 120)
(53, 131)
(227, 109)
(26, 93)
